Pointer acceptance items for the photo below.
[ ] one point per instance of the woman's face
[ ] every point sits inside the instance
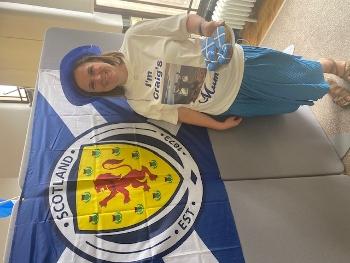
(100, 76)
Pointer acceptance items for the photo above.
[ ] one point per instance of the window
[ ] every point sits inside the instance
(15, 94)
(147, 8)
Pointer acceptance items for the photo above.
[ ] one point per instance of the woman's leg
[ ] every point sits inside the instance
(336, 67)
(276, 83)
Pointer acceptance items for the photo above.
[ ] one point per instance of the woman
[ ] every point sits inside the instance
(256, 81)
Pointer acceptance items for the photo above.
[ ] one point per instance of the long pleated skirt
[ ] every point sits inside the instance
(276, 83)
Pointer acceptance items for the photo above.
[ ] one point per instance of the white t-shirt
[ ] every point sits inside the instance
(166, 70)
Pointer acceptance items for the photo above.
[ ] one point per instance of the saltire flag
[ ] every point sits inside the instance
(103, 184)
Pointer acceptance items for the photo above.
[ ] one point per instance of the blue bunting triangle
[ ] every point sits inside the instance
(6, 207)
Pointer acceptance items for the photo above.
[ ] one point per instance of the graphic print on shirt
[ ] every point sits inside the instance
(182, 84)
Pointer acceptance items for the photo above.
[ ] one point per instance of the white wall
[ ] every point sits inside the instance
(14, 121)
(22, 30)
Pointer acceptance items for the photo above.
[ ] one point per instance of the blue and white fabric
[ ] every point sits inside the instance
(195, 225)
(215, 49)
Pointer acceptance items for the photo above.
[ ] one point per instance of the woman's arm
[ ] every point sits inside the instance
(197, 118)
(178, 26)
(197, 25)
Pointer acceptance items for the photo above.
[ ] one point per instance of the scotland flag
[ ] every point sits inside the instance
(103, 184)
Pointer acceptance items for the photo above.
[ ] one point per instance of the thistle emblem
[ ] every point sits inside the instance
(93, 219)
(96, 153)
(157, 195)
(88, 171)
(116, 151)
(135, 155)
(86, 197)
(117, 217)
(153, 164)
(139, 209)
(168, 179)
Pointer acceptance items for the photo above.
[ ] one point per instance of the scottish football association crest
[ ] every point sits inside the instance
(125, 192)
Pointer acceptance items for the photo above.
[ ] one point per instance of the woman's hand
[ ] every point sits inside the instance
(230, 122)
(208, 28)
(186, 115)
(197, 25)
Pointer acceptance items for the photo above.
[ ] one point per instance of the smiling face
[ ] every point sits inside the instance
(99, 76)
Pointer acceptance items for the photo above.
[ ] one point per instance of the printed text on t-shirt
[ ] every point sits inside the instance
(157, 78)
(207, 93)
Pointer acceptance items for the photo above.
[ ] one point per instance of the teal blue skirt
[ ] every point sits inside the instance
(275, 83)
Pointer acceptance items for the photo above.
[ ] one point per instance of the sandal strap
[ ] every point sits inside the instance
(346, 73)
(342, 102)
(341, 96)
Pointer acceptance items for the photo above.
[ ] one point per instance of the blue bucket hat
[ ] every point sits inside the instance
(69, 87)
